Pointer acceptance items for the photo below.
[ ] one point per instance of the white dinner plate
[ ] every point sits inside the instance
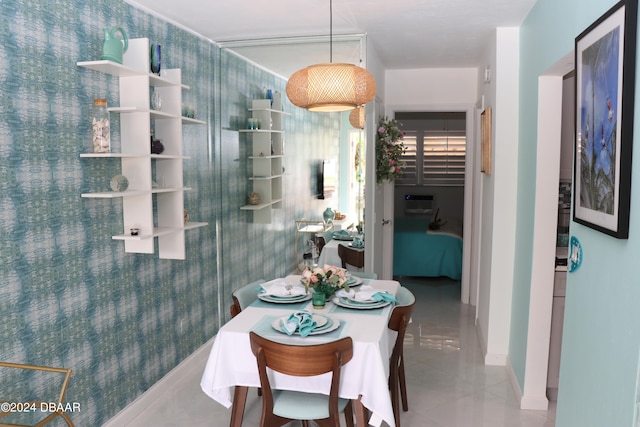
(284, 300)
(324, 325)
(360, 305)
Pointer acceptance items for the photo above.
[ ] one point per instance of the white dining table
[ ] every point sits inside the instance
(231, 368)
(329, 254)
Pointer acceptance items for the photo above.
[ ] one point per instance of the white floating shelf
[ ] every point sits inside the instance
(114, 194)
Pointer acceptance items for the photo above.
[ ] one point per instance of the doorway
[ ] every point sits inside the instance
(549, 131)
(469, 130)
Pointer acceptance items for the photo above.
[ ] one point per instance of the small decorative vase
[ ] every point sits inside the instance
(156, 100)
(156, 146)
(253, 199)
(119, 183)
(328, 215)
(154, 58)
(318, 300)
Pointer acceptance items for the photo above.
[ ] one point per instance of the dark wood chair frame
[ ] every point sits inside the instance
(351, 256)
(302, 360)
(400, 317)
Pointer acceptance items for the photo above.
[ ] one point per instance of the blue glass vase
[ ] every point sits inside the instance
(154, 58)
(328, 215)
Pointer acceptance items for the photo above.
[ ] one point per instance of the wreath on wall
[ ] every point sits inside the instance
(389, 150)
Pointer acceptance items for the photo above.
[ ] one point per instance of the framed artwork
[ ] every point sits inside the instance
(485, 147)
(605, 85)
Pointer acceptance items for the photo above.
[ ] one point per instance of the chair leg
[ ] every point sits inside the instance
(403, 386)
(239, 401)
(393, 386)
(348, 414)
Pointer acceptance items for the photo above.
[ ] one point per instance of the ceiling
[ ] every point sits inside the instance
(405, 34)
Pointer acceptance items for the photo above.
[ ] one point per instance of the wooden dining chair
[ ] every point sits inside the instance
(241, 299)
(244, 296)
(400, 317)
(282, 406)
(351, 256)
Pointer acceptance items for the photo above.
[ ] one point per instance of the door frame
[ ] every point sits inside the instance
(379, 243)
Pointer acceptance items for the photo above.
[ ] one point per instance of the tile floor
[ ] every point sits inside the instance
(448, 385)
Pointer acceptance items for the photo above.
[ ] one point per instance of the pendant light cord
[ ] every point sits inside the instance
(330, 31)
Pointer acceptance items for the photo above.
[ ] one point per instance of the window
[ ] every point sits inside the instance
(436, 148)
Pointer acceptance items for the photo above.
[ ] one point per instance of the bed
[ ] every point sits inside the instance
(420, 252)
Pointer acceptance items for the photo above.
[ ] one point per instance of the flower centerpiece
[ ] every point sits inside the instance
(326, 280)
(389, 150)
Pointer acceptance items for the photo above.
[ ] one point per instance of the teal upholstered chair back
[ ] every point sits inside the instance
(244, 296)
(404, 297)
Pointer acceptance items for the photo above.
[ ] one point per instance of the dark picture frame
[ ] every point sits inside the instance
(605, 56)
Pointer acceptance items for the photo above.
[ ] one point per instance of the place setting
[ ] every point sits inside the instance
(304, 323)
(280, 291)
(363, 298)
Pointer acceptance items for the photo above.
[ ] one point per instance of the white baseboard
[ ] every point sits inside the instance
(526, 402)
(490, 359)
(513, 379)
(168, 382)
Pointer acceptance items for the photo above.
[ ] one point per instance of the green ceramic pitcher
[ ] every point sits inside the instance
(114, 47)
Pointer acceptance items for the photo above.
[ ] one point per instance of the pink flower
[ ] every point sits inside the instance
(381, 129)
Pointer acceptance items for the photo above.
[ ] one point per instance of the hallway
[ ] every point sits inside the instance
(447, 383)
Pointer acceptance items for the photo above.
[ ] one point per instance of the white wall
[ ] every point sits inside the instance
(424, 88)
(499, 198)
(441, 89)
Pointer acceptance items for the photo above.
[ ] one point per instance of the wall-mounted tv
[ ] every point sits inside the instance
(326, 179)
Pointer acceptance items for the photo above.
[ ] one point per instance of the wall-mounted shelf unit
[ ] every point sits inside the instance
(267, 156)
(137, 163)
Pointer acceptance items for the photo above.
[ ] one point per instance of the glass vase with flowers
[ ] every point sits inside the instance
(324, 281)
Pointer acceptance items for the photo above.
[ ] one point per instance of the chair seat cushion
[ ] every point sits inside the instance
(303, 406)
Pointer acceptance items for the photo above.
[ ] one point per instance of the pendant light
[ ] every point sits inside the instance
(331, 87)
(356, 117)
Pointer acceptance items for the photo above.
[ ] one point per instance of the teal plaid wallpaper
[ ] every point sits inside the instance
(69, 295)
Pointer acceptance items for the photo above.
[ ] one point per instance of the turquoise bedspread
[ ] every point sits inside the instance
(419, 254)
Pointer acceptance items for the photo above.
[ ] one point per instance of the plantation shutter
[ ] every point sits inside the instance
(436, 149)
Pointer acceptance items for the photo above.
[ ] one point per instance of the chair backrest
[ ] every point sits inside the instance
(404, 297)
(301, 361)
(320, 242)
(400, 317)
(351, 256)
(244, 296)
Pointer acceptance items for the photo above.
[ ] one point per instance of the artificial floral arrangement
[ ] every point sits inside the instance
(327, 279)
(389, 150)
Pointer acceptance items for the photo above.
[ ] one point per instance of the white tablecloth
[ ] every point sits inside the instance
(329, 255)
(232, 363)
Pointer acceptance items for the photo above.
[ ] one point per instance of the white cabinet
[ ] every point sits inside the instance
(154, 179)
(267, 154)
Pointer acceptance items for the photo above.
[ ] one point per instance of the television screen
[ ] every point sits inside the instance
(327, 179)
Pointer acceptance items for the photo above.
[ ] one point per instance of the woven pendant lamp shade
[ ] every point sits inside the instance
(331, 87)
(356, 118)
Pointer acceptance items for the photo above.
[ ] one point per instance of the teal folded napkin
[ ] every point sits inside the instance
(301, 321)
(341, 234)
(384, 296)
